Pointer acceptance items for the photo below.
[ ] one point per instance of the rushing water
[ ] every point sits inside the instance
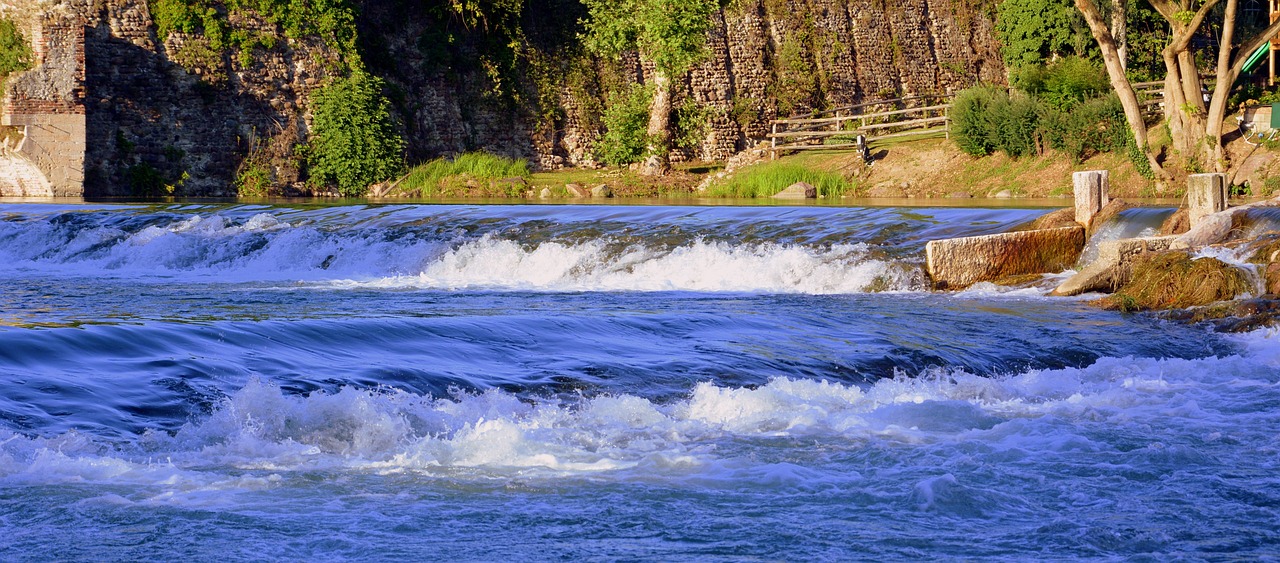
(205, 382)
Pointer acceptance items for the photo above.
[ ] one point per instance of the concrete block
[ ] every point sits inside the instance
(960, 262)
(1206, 195)
(1091, 194)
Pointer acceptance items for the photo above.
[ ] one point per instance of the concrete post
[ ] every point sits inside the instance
(1206, 194)
(1091, 194)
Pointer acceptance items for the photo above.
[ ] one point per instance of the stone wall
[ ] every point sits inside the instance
(45, 106)
(165, 121)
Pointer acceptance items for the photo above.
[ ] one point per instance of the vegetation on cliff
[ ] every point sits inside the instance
(353, 141)
(672, 35)
(15, 54)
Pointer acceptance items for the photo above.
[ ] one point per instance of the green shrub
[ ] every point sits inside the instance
(691, 125)
(353, 142)
(1072, 80)
(626, 122)
(1093, 127)
(971, 116)
(15, 54)
(253, 180)
(764, 180)
(1014, 120)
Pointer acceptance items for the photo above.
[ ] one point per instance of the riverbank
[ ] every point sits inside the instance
(930, 169)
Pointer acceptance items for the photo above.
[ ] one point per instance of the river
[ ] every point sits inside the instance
(478, 383)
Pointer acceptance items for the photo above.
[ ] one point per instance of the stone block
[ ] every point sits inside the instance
(1090, 194)
(1113, 266)
(961, 262)
(1206, 195)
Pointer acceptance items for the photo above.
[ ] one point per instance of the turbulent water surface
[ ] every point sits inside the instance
(213, 382)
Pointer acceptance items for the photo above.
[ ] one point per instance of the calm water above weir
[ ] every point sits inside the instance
(213, 382)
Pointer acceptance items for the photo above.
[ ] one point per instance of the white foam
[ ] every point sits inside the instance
(270, 433)
(700, 266)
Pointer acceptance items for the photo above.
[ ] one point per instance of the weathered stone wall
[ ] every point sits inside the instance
(960, 262)
(45, 154)
(173, 117)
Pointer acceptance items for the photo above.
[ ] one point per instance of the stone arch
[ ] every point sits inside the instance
(20, 177)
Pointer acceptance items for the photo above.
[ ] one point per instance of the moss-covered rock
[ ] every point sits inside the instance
(1174, 280)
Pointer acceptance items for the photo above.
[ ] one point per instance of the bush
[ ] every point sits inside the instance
(986, 119)
(253, 180)
(1016, 125)
(353, 143)
(626, 122)
(971, 116)
(1093, 127)
(764, 180)
(1072, 80)
(15, 54)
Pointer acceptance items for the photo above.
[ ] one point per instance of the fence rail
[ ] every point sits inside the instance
(839, 128)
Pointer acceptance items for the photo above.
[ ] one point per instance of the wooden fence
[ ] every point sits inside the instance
(839, 128)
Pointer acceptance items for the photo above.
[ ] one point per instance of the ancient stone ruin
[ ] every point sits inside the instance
(43, 152)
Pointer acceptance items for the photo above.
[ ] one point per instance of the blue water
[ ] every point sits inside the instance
(210, 382)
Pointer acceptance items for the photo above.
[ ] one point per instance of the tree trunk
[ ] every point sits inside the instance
(1119, 31)
(657, 160)
(1212, 152)
(1120, 82)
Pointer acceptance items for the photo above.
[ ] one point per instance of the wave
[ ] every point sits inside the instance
(271, 434)
(264, 248)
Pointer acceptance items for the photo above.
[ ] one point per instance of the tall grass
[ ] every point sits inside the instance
(766, 179)
(483, 167)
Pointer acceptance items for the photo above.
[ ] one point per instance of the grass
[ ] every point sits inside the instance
(625, 182)
(766, 179)
(1173, 280)
(467, 172)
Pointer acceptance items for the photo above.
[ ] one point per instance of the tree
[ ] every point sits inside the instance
(671, 34)
(1032, 31)
(1195, 128)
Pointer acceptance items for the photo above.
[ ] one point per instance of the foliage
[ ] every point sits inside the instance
(253, 180)
(429, 176)
(146, 181)
(353, 142)
(971, 115)
(626, 121)
(766, 179)
(15, 54)
(671, 33)
(692, 123)
(1148, 33)
(1063, 83)
(986, 119)
(1032, 31)
(331, 20)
